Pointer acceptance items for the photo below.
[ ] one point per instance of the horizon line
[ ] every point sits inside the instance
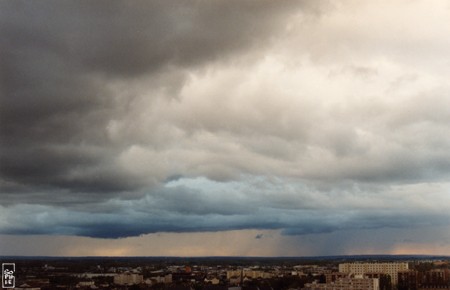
(245, 257)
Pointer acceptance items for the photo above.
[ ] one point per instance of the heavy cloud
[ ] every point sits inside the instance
(120, 119)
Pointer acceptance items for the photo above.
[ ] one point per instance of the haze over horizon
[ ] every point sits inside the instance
(224, 128)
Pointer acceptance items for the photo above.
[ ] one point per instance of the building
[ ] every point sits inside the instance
(128, 279)
(357, 282)
(408, 280)
(213, 281)
(331, 277)
(384, 280)
(435, 288)
(163, 278)
(86, 284)
(435, 278)
(249, 273)
(234, 273)
(413, 280)
(391, 269)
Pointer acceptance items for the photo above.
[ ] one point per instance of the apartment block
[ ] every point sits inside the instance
(357, 282)
(391, 269)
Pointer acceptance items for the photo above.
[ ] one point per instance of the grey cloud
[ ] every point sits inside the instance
(58, 59)
(124, 118)
(184, 209)
(132, 220)
(128, 39)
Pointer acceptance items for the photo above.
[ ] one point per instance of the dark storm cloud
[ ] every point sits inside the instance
(184, 209)
(58, 57)
(138, 217)
(125, 118)
(127, 39)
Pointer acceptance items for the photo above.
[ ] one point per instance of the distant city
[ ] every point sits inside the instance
(233, 273)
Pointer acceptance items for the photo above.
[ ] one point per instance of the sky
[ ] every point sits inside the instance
(224, 128)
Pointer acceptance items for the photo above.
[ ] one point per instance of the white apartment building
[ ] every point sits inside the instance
(391, 269)
(128, 279)
(254, 274)
(349, 283)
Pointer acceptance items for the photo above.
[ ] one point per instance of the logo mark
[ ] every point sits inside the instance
(8, 278)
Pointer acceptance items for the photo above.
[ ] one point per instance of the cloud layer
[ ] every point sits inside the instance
(122, 119)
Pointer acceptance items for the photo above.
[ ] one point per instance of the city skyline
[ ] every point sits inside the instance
(224, 128)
